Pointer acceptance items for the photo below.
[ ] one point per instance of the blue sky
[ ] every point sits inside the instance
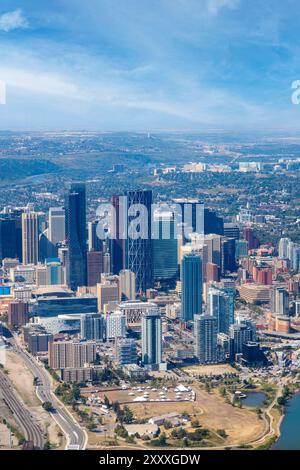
(149, 64)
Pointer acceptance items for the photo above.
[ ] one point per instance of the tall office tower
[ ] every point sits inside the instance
(290, 249)
(283, 248)
(295, 258)
(239, 334)
(94, 242)
(30, 238)
(92, 326)
(18, 314)
(241, 249)
(8, 242)
(212, 272)
(152, 339)
(107, 292)
(231, 231)
(76, 236)
(119, 234)
(127, 285)
(139, 258)
(228, 262)
(126, 351)
(212, 249)
(11, 235)
(206, 334)
(94, 267)
(165, 246)
(74, 354)
(221, 305)
(191, 277)
(213, 223)
(115, 326)
(252, 240)
(57, 225)
(280, 301)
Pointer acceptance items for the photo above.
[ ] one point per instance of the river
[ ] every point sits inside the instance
(290, 436)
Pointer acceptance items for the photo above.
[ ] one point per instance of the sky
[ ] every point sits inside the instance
(149, 64)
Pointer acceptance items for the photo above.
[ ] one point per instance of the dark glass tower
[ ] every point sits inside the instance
(8, 242)
(165, 250)
(76, 236)
(228, 255)
(139, 257)
(191, 278)
(118, 242)
(213, 223)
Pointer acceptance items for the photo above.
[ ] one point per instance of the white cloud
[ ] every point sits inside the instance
(12, 20)
(214, 6)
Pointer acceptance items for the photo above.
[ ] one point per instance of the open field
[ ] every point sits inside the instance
(241, 425)
(218, 369)
(141, 394)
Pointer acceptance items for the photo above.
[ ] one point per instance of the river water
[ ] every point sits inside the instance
(290, 426)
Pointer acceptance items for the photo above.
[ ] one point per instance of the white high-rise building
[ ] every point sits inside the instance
(30, 238)
(115, 326)
(127, 285)
(280, 301)
(221, 306)
(56, 231)
(283, 248)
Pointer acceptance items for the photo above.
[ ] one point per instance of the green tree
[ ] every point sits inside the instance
(47, 405)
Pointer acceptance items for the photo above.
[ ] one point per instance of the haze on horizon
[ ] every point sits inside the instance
(141, 64)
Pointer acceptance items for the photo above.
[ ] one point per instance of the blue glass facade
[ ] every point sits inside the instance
(191, 277)
(76, 236)
(139, 258)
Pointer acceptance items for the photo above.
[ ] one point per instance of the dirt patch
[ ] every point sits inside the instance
(218, 369)
(21, 378)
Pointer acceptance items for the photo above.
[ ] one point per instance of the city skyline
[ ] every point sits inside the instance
(149, 229)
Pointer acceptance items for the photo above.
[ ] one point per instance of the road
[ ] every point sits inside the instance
(76, 436)
(30, 429)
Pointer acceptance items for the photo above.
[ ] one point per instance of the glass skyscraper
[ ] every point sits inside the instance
(221, 306)
(139, 257)
(76, 236)
(92, 326)
(165, 250)
(152, 339)
(191, 290)
(205, 332)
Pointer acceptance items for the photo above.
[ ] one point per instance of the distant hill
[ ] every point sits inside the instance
(13, 169)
